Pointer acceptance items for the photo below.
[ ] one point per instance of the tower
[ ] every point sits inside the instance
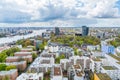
(85, 30)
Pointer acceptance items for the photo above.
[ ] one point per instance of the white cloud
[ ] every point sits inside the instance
(65, 12)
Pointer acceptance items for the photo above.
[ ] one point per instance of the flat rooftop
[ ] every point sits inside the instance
(16, 63)
(17, 57)
(57, 71)
(109, 67)
(8, 72)
(96, 59)
(30, 76)
(118, 62)
(23, 53)
(26, 49)
(115, 57)
(45, 62)
(103, 76)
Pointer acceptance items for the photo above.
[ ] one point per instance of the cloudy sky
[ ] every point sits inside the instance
(63, 13)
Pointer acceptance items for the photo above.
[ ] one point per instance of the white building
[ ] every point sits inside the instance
(97, 65)
(113, 61)
(46, 35)
(52, 47)
(42, 64)
(111, 71)
(65, 64)
(85, 62)
(30, 76)
(11, 74)
(118, 49)
(59, 49)
(92, 47)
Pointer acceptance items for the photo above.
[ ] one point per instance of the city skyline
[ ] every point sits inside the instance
(62, 13)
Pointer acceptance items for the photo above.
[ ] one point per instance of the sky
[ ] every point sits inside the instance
(59, 13)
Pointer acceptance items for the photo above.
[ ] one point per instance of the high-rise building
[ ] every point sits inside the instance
(85, 30)
(57, 31)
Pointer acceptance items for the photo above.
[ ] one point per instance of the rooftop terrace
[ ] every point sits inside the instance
(57, 71)
(118, 62)
(115, 57)
(96, 59)
(8, 72)
(109, 67)
(103, 76)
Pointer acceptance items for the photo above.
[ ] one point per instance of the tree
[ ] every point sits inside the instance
(75, 51)
(60, 57)
(34, 49)
(71, 44)
(2, 67)
(34, 55)
(41, 47)
(3, 56)
(80, 53)
(27, 42)
(10, 67)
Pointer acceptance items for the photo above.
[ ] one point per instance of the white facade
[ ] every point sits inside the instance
(97, 66)
(113, 61)
(92, 47)
(58, 49)
(41, 63)
(118, 49)
(64, 64)
(53, 48)
(83, 61)
(30, 76)
(78, 78)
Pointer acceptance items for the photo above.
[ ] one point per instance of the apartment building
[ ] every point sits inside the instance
(85, 62)
(65, 64)
(21, 66)
(97, 64)
(42, 64)
(26, 49)
(11, 74)
(60, 49)
(111, 71)
(22, 53)
(19, 58)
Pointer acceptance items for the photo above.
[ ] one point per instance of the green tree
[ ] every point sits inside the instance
(3, 56)
(34, 55)
(80, 53)
(34, 49)
(41, 47)
(10, 67)
(75, 51)
(27, 42)
(57, 60)
(2, 67)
